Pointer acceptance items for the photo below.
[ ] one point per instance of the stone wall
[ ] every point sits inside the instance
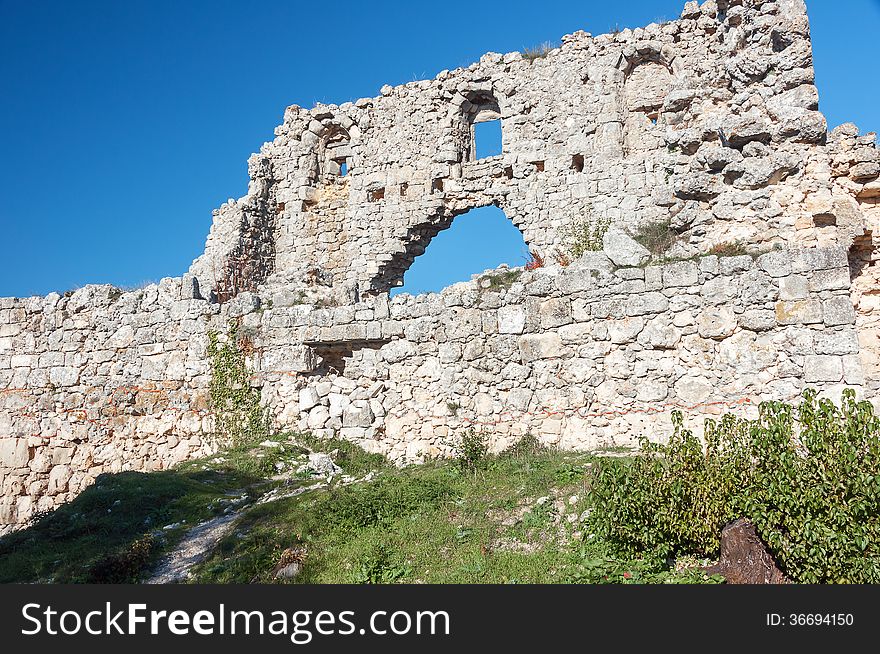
(708, 124)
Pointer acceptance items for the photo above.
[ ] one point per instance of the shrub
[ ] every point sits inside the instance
(808, 477)
(472, 450)
(528, 445)
(657, 237)
(582, 236)
(534, 261)
(124, 566)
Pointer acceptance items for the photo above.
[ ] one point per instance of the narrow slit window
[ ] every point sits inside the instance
(577, 163)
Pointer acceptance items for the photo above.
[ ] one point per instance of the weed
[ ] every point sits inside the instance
(581, 236)
(561, 258)
(526, 446)
(472, 450)
(657, 237)
(378, 566)
(729, 249)
(537, 52)
(534, 261)
(124, 566)
(240, 419)
(503, 279)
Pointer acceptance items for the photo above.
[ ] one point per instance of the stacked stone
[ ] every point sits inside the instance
(709, 124)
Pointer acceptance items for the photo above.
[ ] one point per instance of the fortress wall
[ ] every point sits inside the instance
(709, 124)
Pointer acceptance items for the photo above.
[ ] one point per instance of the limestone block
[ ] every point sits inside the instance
(290, 358)
(693, 390)
(357, 414)
(832, 279)
(540, 346)
(622, 249)
(13, 453)
(645, 303)
(308, 398)
(626, 330)
(776, 263)
(796, 312)
(64, 376)
(794, 287)
(511, 319)
(682, 273)
(555, 312)
(716, 322)
(838, 311)
(823, 368)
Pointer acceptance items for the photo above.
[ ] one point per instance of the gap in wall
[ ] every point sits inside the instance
(487, 138)
(478, 240)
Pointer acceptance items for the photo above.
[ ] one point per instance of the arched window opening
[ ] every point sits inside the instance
(646, 87)
(483, 117)
(487, 139)
(478, 240)
(334, 154)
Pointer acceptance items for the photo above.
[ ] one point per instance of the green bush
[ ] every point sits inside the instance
(472, 450)
(807, 476)
(582, 236)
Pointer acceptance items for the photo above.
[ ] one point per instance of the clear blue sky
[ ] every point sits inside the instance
(123, 124)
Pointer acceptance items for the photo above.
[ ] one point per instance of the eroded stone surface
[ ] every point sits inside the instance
(708, 123)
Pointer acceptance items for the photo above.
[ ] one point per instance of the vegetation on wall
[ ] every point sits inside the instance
(583, 236)
(656, 237)
(239, 416)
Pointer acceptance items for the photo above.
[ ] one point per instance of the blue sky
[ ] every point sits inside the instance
(123, 124)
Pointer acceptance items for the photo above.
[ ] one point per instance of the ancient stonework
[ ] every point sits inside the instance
(709, 123)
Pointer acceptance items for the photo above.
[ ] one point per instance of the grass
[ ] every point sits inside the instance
(537, 52)
(503, 279)
(656, 237)
(75, 542)
(729, 249)
(515, 517)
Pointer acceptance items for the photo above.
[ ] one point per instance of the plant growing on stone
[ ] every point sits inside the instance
(728, 249)
(582, 236)
(807, 476)
(535, 261)
(537, 52)
(657, 237)
(561, 258)
(240, 419)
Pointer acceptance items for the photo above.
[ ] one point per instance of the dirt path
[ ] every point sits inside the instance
(174, 567)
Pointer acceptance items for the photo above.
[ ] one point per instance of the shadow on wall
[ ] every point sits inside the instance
(478, 240)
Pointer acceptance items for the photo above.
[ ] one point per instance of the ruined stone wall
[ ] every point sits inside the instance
(709, 124)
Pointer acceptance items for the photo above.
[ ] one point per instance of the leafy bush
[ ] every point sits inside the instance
(583, 236)
(472, 450)
(808, 477)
